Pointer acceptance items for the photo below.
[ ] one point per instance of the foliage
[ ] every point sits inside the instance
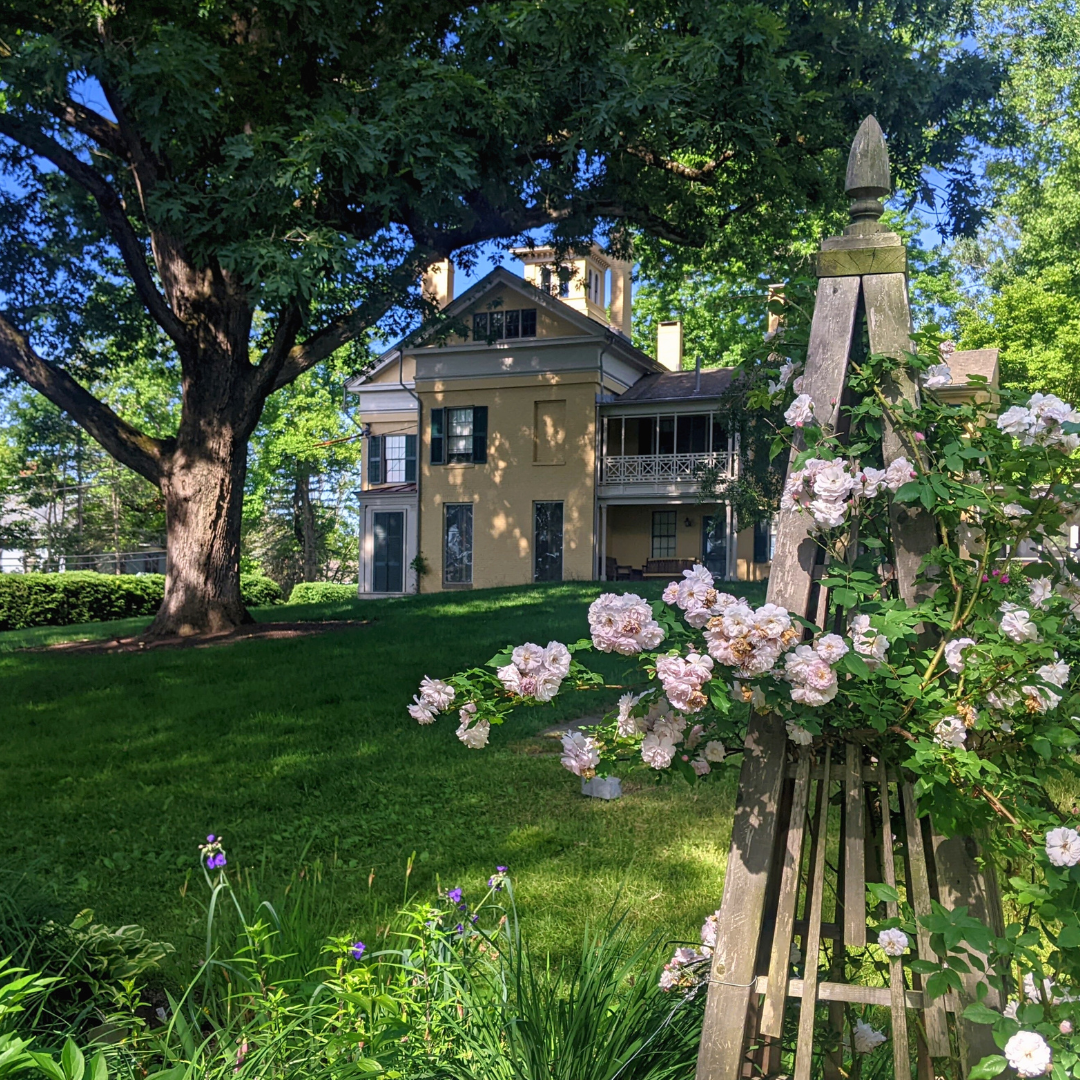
(84, 596)
(303, 470)
(442, 988)
(966, 681)
(321, 592)
(252, 194)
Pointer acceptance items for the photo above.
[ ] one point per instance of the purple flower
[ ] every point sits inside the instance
(454, 896)
(210, 838)
(496, 880)
(459, 928)
(357, 949)
(215, 862)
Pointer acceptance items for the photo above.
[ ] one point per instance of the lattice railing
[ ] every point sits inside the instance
(660, 468)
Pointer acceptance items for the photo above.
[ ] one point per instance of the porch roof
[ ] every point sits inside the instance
(678, 386)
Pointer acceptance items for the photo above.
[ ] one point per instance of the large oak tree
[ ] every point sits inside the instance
(263, 183)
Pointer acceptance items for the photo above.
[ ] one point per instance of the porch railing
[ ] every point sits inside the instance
(661, 468)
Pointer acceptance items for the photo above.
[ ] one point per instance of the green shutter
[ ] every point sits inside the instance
(410, 459)
(438, 440)
(479, 434)
(375, 459)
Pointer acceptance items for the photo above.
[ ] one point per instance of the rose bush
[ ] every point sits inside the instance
(971, 690)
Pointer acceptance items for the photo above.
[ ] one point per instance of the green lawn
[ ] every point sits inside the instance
(300, 752)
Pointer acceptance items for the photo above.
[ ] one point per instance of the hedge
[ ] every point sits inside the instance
(83, 596)
(321, 592)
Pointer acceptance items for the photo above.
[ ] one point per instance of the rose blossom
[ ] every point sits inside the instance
(899, 473)
(581, 754)
(950, 731)
(798, 734)
(623, 623)
(475, 737)
(436, 694)
(1040, 590)
(954, 653)
(937, 375)
(714, 751)
(830, 648)
(1063, 846)
(1028, 1053)
(657, 751)
(700, 766)
(1017, 626)
(800, 412)
(421, 713)
(894, 942)
(866, 1038)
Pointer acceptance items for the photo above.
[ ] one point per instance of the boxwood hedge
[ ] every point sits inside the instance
(83, 596)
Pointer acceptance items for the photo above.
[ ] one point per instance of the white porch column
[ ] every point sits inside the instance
(603, 542)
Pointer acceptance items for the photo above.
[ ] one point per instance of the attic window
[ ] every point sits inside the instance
(501, 325)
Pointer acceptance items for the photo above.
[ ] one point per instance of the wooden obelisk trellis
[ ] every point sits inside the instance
(778, 881)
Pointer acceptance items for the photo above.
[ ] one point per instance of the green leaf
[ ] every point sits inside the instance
(882, 892)
(981, 1014)
(72, 1061)
(1069, 938)
(990, 1066)
(98, 1068)
(854, 664)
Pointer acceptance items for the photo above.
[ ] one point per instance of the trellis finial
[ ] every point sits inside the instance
(868, 180)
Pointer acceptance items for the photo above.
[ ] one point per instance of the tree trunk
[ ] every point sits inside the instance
(304, 519)
(203, 488)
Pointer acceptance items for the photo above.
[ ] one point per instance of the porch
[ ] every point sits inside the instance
(659, 539)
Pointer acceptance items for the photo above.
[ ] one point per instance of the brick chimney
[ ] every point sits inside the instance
(669, 345)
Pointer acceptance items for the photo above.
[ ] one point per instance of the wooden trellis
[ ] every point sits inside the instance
(779, 879)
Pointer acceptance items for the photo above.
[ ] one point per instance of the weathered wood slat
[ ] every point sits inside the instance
(937, 1030)
(812, 946)
(791, 577)
(961, 882)
(855, 994)
(854, 851)
(753, 835)
(772, 1012)
(901, 1053)
(888, 319)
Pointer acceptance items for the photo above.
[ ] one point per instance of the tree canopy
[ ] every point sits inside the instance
(250, 188)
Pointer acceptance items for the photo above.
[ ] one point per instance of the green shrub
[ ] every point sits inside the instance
(321, 592)
(83, 597)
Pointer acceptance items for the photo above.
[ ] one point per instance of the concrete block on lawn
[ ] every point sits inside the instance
(602, 787)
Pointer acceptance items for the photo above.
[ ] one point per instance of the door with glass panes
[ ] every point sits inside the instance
(714, 543)
(548, 541)
(388, 562)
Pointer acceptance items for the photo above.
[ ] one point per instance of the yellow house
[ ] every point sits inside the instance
(541, 445)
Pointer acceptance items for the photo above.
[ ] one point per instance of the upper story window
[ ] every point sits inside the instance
(500, 325)
(459, 435)
(391, 459)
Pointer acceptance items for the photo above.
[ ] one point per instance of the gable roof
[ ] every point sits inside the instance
(501, 277)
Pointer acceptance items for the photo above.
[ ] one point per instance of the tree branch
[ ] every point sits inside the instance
(342, 330)
(91, 124)
(112, 210)
(702, 174)
(290, 320)
(131, 447)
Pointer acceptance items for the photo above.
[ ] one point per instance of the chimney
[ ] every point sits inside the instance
(669, 345)
(438, 283)
(620, 296)
(776, 292)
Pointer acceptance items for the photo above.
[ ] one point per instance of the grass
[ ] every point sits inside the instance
(300, 753)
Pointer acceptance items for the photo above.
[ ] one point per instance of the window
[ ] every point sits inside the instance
(395, 459)
(392, 459)
(459, 435)
(548, 541)
(714, 544)
(499, 325)
(549, 432)
(692, 434)
(665, 443)
(764, 540)
(459, 431)
(663, 534)
(457, 544)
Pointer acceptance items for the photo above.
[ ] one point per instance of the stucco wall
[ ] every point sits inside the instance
(504, 489)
